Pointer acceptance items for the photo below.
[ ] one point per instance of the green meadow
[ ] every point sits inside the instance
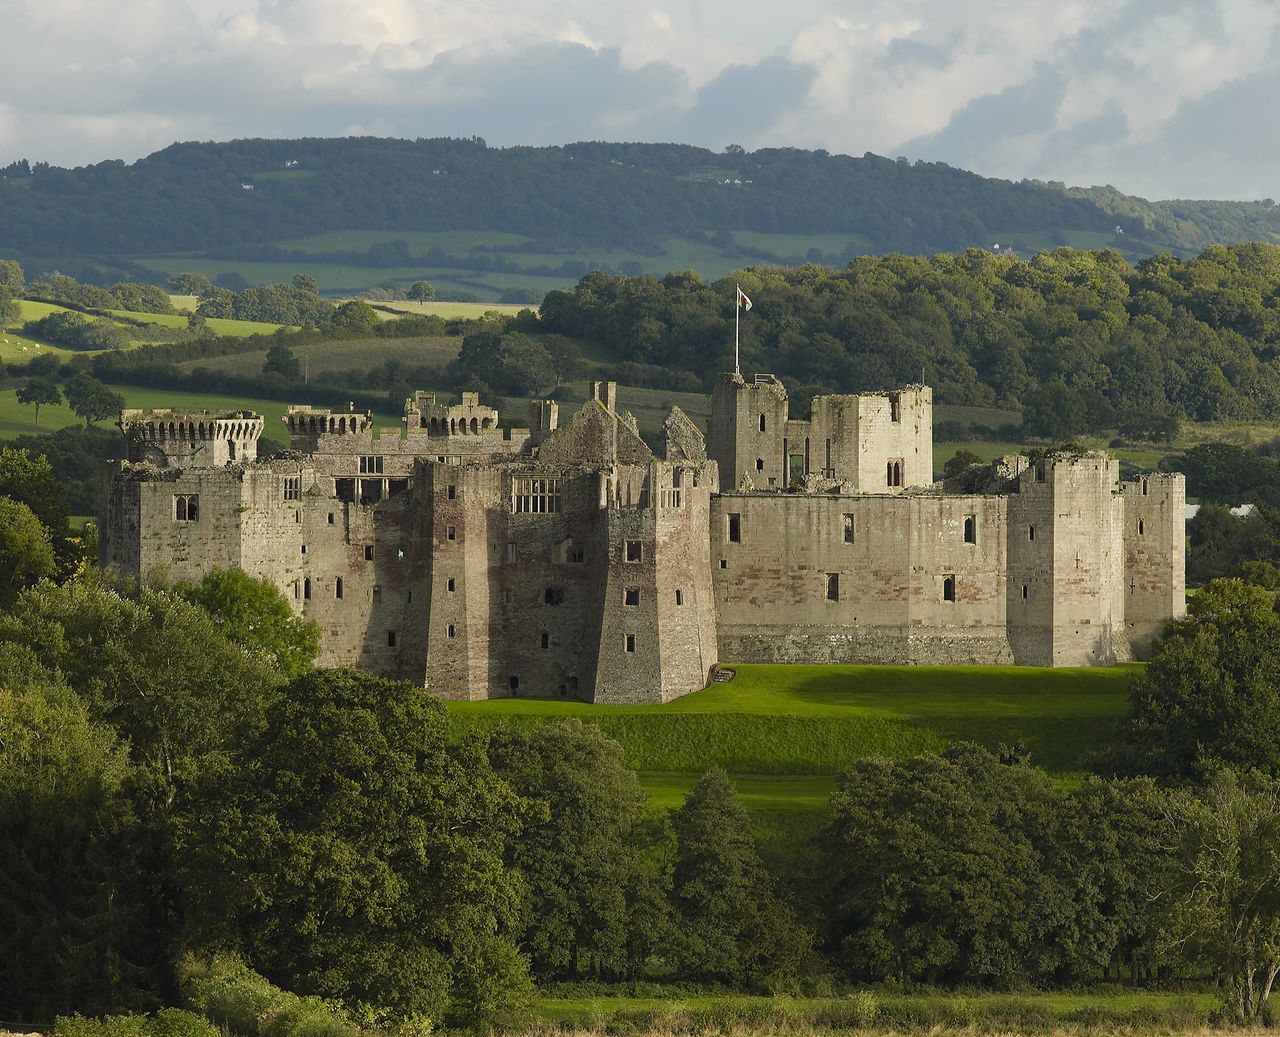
(784, 732)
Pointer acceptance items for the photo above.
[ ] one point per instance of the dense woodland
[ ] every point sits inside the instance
(191, 197)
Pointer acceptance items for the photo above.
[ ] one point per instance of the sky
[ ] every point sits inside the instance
(1160, 98)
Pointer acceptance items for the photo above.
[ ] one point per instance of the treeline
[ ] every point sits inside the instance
(1079, 340)
(193, 197)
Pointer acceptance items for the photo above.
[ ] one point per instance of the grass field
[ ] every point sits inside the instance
(1105, 1010)
(784, 732)
(16, 420)
(448, 310)
(342, 355)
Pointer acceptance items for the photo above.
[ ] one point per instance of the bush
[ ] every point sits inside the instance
(231, 994)
(169, 1022)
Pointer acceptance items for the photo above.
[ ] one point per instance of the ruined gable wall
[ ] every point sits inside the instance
(1154, 582)
(772, 585)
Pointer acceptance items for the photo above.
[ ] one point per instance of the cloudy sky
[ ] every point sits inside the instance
(1164, 98)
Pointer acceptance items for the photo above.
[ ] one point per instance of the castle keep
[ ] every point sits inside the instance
(566, 559)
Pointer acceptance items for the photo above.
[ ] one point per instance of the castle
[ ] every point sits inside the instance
(567, 559)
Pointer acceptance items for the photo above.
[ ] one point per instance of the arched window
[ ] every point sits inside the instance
(762, 423)
(1024, 592)
(1031, 532)
(949, 589)
(1144, 487)
(1142, 528)
(970, 529)
(475, 425)
(337, 587)
(306, 588)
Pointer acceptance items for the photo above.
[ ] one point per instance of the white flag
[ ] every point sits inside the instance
(743, 301)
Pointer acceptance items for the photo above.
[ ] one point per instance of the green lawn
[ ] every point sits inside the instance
(784, 732)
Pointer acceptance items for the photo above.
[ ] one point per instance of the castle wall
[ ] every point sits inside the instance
(1153, 585)
(776, 600)
(737, 443)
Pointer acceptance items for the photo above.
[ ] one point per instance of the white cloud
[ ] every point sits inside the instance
(1087, 91)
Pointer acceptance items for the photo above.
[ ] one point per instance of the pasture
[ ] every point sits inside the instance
(784, 732)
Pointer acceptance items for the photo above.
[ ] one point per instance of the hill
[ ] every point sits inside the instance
(519, 221)
(784, 732)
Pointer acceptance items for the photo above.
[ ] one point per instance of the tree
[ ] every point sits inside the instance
(355, 851)
(579, 854)
(255, 615)
(1053, 412)
(354, 316)
(76, 923)
(155, 667)
(932, 870)
(11, 282)
(30, 478)
(1227, 841)
(26, 552)
(280, 360)
(959, 462)
(733, 925)
(91, 399)
(1211, 693)
(39, 391)
(190, 284)
(421, 291)
(306, 283)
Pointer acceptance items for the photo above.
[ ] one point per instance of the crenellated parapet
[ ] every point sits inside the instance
(190, 438)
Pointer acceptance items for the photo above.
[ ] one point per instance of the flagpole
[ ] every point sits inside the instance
(737, 313)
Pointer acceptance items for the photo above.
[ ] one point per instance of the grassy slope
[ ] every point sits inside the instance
(786, 731)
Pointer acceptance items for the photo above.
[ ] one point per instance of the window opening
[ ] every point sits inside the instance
(1031, 532)
(377, 592)
(186, 507)
(847, 531)
(970, 529)
(450, 533)
(331, 518)
(513, 551)
(762, 423)
(679, 596)
(513, 682)
(634, 552)
(337, 587)
(546, 640)
(553, 595)
(371, 465)
(949, 589)
(306, 588)
(1144, 487)
(391, 638)
(293, 487)
(631, 642)
(451, 584)
(450, 630)
(631, 596)
(1024, 592)
(759, 464)
(368, 552)
(1142, 527)
(833, 586)
(451, 492)
(535, 496)
(735, 529)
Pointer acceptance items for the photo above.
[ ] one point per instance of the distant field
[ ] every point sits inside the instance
(454, 241)
(321, 358)
(784, 732)
(219, 325)
(448, 310)
(15, 419)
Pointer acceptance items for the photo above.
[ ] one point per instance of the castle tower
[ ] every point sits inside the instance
(749, 431)
(1154, 580)
(1065, 562)
(191, 438)
(307, 425)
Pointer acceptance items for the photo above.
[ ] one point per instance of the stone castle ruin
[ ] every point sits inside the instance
(483, 560)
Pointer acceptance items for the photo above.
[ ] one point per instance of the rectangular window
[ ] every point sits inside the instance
(368, 552)
(293, 487)
(634, 553)
(679, 596)
(546, 640)
(371, 464)
(833, 586)
(847, 529)
(578, 554)
(337, 587)
(451, 631)
(631, 642)
(631, 596)
(399, 554)
(735, 529)
(331, 518)
(451, 585)
(451, 492)
(377, 592)
(450, 533)
(553, 595)
(535, 496)
(186, 507)
(391, 638)
(513, 552)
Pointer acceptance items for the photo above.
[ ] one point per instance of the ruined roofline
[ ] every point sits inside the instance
(764, 378)
(133, 415)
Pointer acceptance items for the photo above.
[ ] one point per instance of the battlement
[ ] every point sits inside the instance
(190, 438)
